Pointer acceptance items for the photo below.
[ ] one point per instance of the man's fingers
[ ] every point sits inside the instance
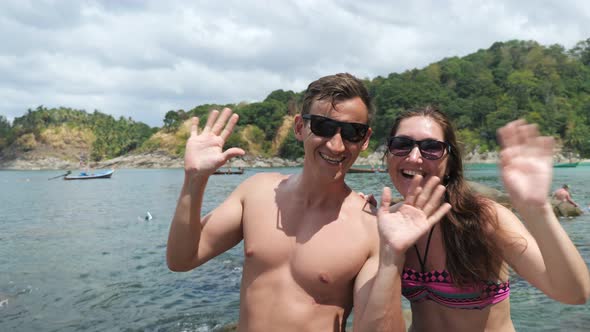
(229, 127)
(210, 121)
(233, 152)
(221, 121)
(194, 126)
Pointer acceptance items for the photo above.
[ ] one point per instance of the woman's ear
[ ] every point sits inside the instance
(298, 124)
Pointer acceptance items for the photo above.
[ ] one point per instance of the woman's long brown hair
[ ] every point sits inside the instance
(471, 256)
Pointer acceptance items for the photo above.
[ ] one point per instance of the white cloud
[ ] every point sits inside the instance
(141, 59)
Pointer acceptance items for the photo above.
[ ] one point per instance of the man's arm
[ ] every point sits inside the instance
(193, 240)
(570, 200)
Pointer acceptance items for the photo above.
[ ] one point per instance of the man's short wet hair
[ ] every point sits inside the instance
(336, 88)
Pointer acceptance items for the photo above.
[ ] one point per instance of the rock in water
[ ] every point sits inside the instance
(565, 209)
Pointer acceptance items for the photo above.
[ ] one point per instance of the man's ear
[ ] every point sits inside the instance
(298, 125)
(367, 138)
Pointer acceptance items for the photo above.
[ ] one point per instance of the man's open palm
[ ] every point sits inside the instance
(204, 152)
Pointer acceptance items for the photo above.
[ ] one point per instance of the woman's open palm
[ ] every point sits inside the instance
(423, 207)
(526, 163)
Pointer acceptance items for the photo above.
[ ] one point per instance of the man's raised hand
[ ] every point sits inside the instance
(204, 152)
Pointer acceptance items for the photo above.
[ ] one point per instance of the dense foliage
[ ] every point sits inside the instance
(113, 137)
(482, 91)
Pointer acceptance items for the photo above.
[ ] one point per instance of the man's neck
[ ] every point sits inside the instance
(313, 193)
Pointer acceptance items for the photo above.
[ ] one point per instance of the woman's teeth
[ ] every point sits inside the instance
(411, 173)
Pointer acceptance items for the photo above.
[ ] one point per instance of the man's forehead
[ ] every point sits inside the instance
(328, 107)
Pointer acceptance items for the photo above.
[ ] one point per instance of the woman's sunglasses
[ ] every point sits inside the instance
(326, 127)
(429, 148)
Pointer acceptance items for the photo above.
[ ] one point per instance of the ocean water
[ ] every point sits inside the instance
(81, 256)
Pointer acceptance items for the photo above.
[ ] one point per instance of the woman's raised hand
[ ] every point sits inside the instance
(526, 163)
(422, 208)
(204, 151)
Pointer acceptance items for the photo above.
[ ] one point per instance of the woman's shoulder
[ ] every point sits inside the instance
(499, 215)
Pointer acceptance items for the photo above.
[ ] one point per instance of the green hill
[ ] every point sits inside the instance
(548, 85)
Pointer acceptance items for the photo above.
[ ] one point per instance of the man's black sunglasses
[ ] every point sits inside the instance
(326, 127)
(429, 148)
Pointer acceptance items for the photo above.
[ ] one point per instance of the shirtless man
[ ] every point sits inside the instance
(311, 244)
(562, 194)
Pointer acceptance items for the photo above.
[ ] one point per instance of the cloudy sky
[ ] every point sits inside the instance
(144, 58)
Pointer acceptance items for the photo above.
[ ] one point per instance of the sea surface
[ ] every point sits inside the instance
(81, 255)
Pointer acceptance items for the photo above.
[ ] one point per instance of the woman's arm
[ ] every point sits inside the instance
(541, 252)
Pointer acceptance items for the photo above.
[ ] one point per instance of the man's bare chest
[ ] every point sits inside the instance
(317, 249)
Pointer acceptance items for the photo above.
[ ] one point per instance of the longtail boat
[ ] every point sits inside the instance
(106, 174)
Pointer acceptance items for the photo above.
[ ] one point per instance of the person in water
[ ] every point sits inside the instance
(463, 261)
(563, 195)
(312, 247)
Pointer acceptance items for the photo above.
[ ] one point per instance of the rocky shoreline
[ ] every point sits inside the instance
(161, 159)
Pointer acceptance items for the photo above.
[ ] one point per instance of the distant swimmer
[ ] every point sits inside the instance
(147, 217)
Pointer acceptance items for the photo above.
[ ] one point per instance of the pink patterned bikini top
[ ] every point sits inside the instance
(438, 286)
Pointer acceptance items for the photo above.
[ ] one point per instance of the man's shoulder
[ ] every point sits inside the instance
(263, 180)
(365, 208)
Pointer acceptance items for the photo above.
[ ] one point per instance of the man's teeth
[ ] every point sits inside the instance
(331, 159)
(412, 172)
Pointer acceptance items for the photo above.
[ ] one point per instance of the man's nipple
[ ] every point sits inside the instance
(249, 252)
(324, 278)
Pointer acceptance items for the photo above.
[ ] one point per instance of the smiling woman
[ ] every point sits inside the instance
(462, 263)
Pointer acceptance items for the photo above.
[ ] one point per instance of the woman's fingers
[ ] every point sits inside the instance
(426, 192)
(439, 214)
(508, 135)
(414, 190)
(429, 198)
(435, 200)
(385, 200)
